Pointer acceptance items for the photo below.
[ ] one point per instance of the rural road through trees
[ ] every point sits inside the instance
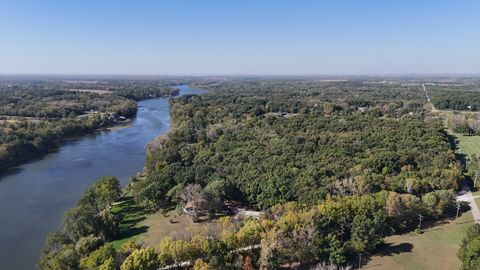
(467, 196)
(428, 98)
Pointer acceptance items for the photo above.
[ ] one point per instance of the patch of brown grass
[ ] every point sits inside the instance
(161, 225)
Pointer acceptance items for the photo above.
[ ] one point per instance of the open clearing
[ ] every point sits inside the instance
(10, 121)
(17, 119)
(468, 145)
(150, 229)
(96, 91)
(436, 248)
(171, 224)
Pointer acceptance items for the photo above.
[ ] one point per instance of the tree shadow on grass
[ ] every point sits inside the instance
(465, 222)
(427, 225)
(127, 233)
(455, 145)
(129, 215)
(386, 250)
(390, 249)
(131, 222)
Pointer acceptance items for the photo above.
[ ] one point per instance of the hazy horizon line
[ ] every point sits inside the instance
(244, 74)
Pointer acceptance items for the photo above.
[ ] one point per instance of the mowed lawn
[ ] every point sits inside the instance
(468, 145)
(130, 215)
(436, 248)
(149, 229)
(161, 225)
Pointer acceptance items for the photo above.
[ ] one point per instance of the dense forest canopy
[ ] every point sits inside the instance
(296, 95)
(58, 103)
(270, 142)
(465, 97)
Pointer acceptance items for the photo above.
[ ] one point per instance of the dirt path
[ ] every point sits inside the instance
(428, 99)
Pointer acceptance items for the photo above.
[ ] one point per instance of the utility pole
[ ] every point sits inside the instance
(359, 260)
(420, 219)
(475, 179)
(458, 210)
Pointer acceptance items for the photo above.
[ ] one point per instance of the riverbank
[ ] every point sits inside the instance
(62, 130)
(34, 196)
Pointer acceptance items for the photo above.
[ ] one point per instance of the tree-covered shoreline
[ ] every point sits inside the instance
(35, 116)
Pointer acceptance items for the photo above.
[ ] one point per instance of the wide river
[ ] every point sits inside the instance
(34, 196)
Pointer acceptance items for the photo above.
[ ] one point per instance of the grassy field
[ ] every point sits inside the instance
(468, 145)
(436, 248)
(161, 225)
(149, 229)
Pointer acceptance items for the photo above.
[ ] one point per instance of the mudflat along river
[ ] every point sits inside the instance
(34, 196)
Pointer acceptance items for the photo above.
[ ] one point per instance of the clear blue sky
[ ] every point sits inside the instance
(239, 36)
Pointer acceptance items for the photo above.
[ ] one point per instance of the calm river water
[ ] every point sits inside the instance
(34, 196)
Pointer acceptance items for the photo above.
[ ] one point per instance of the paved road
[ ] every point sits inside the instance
(467, 196)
